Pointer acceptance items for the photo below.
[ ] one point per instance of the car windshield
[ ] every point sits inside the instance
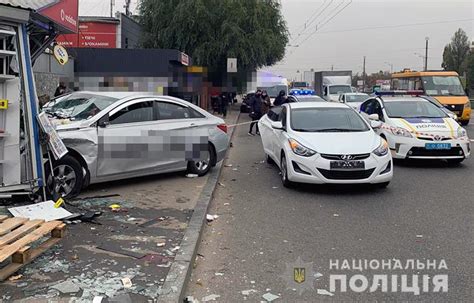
(327, 120)
(413, 109)
(78, 106)
(339, 89)
(356, 98)
(273, 91)
(311, 99)
(443, 86)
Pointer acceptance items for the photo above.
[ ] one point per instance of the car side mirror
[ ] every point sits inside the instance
(277, 125)
(374, 117)
(375, 124)
(104, 121)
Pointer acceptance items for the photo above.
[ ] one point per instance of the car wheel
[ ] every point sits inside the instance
(383, 185)
(454, 162)
(269, 159)
(67, 180)
(284, 173)
(203, 166)
(465, 122)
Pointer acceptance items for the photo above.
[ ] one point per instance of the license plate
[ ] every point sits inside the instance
(438, 145)
(347, 164)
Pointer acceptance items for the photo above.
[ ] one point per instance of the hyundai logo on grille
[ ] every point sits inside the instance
(437, 138)
(346, 157)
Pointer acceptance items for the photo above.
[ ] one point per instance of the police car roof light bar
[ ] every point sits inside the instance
(400, 93)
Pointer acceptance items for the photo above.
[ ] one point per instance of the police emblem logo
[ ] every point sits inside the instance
(299, 274)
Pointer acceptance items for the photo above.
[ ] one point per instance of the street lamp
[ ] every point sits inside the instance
(426, 53)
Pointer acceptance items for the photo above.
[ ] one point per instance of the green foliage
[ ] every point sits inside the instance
(470, 70)
(210, 31)
(456, 53)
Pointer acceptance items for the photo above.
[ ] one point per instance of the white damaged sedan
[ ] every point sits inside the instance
(325, 143)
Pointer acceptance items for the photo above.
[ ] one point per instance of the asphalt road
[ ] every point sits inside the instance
(426, 213)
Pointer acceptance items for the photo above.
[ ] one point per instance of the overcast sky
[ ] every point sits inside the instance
(342, 40)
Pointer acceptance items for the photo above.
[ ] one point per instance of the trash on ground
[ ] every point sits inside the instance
(221, 184)
(335, 215)
(111, 247)
(324, 292)
(15, 278)
(228, 165)
(191, 176)
(419, 236)
(114, 207)
(44, 210)
(211, 218)
(248, 292)
(210, 298)
(66, 287)
(226, 203)
(97, 299)
(161, 244)
(318, 275)
(127, 283)
(269, 297)
(275, 187)
(218, 274)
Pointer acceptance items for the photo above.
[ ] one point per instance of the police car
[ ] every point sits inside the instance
(415, 128)
(304, 95)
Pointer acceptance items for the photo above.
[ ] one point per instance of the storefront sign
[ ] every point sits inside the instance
(91, 35)
(60, 53)
(64, 13)
(184, 59)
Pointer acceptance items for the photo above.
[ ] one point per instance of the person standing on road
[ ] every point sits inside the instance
(267, 103)
(60, 90)
(280, 99)
(256, 107)
(224, 104)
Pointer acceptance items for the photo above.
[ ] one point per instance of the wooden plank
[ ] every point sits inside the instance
(36, 234)
(22, 256)
(59, 231)
(10, 269)
(19, 232)
(10, 224)
(3, 217)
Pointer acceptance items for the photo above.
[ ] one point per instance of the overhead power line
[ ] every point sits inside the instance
(390, 26)
(329, 20)
(312, 21)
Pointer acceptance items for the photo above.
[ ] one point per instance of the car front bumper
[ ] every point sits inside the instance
(414, 148)
(316, 169)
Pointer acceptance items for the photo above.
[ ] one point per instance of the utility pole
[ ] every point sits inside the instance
(364, 76)
(112, 3)
(127, 8)
(426, 53)
(332, 67)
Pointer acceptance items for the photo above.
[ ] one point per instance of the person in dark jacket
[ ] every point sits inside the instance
(256, 110)
(280, 99)
(267, 103)
(224, 104)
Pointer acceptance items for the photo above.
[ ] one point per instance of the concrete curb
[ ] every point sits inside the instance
(180, 270)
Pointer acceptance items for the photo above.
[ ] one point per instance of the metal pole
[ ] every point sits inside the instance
(426, 53)
(364, 76)
(112, 8)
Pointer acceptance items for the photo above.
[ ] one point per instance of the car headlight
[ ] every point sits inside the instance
(397, 131)
(300, 149)
(382, 150)
(461, 132)
(468, 104)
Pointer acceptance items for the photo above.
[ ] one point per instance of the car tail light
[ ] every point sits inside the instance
(222, 127)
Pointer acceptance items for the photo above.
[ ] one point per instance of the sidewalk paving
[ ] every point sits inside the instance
(139, 242)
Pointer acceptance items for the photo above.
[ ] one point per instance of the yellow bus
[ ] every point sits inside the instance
(444, 86)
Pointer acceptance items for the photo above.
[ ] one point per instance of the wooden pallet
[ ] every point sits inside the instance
(16, 236)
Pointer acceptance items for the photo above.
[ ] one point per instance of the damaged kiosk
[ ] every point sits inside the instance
(27, 29)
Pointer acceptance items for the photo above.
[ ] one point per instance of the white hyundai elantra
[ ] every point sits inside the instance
(325, 143)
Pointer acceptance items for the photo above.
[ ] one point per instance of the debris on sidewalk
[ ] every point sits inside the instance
(335, 215)
(228, 165)
(211, 218)
(324, 292)
(210, 298)
(221, 184)
(15, 278)
(66, 287)
(127, 283)
(115, 207)
(218, 274)
(248, 292)
(44, 211)
(419, 236)
(269, 297)
(192, 176)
